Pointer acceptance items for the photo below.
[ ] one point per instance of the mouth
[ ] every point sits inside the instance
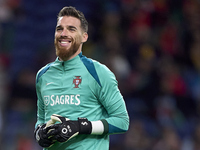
(64, 42)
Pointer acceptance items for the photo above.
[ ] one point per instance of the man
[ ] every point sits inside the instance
(79, 103)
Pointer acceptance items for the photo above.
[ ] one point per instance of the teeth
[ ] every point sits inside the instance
(63, 42)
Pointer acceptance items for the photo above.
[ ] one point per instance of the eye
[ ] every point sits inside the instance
(58, 29)
(72, 29)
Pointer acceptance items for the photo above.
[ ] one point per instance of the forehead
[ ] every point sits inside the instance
(69, 21)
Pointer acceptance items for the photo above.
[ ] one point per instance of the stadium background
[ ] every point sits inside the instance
(152, 46)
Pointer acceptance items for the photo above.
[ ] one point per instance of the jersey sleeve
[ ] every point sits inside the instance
(40, 103)
(113, 102)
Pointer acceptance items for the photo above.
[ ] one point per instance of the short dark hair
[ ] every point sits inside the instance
(73, 12)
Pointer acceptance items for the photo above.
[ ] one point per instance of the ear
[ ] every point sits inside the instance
(84, 37)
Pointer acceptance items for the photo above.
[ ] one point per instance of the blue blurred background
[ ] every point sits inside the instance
(152, 46)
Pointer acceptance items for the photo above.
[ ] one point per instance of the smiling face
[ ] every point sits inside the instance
(69, 37)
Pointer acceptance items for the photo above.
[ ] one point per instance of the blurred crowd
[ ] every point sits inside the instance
(152, 46)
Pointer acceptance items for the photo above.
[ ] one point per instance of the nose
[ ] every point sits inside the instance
(64, 32)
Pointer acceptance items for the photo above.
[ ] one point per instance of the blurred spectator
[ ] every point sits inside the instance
(137, 138)
(5, 11)
(168, 141)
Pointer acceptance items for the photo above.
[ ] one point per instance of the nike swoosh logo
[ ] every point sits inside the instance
(49, 83)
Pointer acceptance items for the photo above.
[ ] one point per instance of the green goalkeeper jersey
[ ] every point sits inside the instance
(81, 87)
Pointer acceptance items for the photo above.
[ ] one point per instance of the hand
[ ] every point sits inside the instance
(67, 129)
(42, 137)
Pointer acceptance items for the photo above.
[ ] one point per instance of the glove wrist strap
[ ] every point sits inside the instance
(85, 126)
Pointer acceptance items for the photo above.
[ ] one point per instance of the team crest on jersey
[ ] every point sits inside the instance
(46, 100)
(77, 81)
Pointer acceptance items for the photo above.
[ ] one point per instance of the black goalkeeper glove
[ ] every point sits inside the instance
(67, 129)
(42, 137)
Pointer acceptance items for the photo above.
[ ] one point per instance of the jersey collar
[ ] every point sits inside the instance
(69, 63)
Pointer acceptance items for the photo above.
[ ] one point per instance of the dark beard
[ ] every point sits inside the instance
(66, 54)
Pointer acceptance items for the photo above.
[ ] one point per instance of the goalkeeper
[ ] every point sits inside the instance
(79, 103)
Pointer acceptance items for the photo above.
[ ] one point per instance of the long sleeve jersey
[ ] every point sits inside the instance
(81, 87)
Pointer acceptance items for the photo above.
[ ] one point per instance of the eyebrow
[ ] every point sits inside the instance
(59, 26)
(71, 27)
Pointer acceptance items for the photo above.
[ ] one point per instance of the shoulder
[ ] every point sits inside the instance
(42, 71)
(99, 71)
(104, 73)
(102, 68)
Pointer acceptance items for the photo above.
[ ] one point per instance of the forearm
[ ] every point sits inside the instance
(40, 116)
(111, 125)
(40, 108)
(99, 127)
(118, 120)
(117, 125)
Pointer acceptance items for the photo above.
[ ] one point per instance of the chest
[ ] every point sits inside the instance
(69, 90)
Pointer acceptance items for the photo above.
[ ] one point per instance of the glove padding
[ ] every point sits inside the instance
(67, 129)
(42, 137)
